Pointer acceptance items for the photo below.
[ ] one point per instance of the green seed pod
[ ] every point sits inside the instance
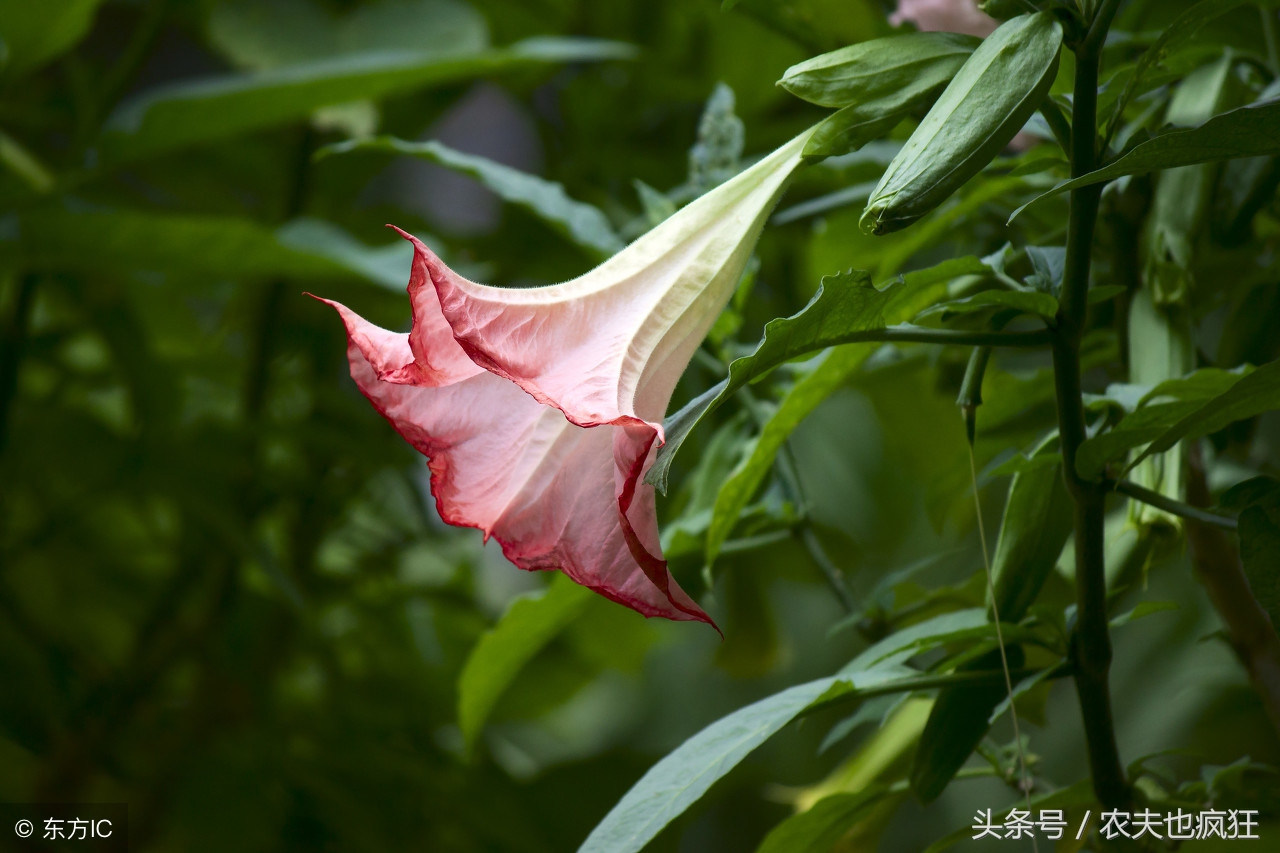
(986, 104)
(874, 69)
(873, 117)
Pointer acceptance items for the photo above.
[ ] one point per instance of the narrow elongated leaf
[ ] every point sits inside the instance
(853, 127)
(1249, 131)
(1143, 608)
(56, 239)
(817, 830)
(679, 779)
(901, 644)
(956, 724)
(213, 108)
(1255, 393)
(1182, 26)
(524, 630)
(1020, 689)
(582, 223)
(1158, 411)
(684, 775)
(1037, 521)
(846, 308)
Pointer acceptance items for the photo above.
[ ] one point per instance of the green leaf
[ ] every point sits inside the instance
(956, 724)
(903, 643)
(36, 31)
(1141, 609)
(817, 830)
(986, 631)
(855, 309)
(1248, 131)
(1183, 26)
(1022, 688)
(529, 624)
(846, 307)
(213, 108)
(1255, 393)
(853, 127)
(1258, 500)
(1158, 411)
(684, 775)
(582, 223)
(1037, 521)
(57, 240)
(879, 68)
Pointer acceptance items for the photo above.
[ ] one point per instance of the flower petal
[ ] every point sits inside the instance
(609, 346)
(516, 469)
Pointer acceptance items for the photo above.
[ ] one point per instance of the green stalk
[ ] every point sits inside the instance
(1092, 641)
(1174, 507)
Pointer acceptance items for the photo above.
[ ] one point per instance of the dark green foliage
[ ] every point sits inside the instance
(227, 598)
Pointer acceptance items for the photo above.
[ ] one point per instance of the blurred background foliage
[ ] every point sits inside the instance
(225, 595)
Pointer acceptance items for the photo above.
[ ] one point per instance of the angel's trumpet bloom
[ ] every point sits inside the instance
(540, 409)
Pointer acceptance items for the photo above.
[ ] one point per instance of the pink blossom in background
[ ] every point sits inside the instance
(953, 16)
(540, 409)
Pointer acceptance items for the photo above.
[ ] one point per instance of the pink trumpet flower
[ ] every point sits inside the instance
(540, 409)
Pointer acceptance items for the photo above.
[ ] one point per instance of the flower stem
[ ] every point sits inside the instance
(1091, 641)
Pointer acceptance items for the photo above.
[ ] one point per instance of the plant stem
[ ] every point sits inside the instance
(830, 571)
(1155, 499)
(1092, 641)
